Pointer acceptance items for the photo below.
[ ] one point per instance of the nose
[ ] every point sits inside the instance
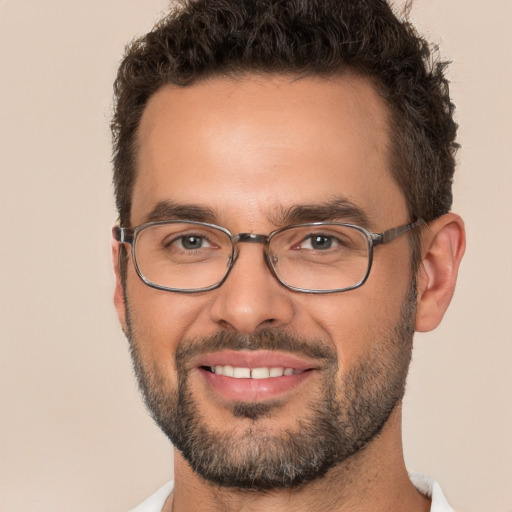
(251, 298)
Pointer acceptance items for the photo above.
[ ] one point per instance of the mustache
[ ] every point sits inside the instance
(268, 339)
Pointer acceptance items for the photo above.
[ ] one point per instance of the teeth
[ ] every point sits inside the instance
(228, 371)
(240, 373)
(260, 373)
(252, 373)
(276, 372)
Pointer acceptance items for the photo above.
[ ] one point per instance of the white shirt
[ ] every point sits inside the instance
(426, 485)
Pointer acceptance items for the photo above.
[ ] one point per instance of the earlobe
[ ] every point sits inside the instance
(443, 245)
(118, 290)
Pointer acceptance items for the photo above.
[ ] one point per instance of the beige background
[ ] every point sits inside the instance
(74, 435)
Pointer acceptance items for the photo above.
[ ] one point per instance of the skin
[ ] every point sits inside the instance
(247, 149)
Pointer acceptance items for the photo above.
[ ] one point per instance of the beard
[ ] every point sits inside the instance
(346, 414)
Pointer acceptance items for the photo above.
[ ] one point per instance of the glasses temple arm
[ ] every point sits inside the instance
(122, 235)
(391, 234)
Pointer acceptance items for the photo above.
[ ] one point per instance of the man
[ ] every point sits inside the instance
(283, 177)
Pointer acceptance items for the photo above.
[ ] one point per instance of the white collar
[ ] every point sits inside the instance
(431, 489)
(426, 485)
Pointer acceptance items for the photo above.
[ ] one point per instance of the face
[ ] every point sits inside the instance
(253, 155)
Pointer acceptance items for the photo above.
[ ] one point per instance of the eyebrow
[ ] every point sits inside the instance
(168, 210)
(338, 209)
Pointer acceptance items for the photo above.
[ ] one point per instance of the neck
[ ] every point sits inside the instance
(374, 479)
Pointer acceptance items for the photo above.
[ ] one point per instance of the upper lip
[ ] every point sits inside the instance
(254, 359)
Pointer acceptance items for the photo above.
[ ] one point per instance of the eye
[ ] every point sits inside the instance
(318, 242)
(190, 242)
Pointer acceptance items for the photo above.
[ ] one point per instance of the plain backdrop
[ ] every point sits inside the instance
(74, 434)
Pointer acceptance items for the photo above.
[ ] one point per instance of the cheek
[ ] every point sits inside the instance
(345, 321)
(391, 276)
(358, 320)
(160, 320)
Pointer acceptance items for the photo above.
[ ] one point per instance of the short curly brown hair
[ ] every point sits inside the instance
(201, 38)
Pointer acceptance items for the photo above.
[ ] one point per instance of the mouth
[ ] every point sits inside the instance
(265, 372)
(257, 376)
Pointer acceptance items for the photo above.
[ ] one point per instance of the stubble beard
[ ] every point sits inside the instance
(339, 422)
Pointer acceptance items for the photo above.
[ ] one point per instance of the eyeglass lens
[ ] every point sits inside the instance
(193, 256)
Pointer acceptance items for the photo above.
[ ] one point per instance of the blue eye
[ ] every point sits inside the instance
(319, 242)
(191, 242)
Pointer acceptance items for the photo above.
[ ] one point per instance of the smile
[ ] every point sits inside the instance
(253, 373)
(253, 376)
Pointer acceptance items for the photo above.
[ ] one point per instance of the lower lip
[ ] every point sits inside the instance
(254, 390)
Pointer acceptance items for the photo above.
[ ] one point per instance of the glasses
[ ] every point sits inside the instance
(319, 257)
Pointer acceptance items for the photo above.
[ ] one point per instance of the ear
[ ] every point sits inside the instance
(118, 290)
(443, 245)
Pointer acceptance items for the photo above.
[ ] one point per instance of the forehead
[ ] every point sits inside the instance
(250, 146)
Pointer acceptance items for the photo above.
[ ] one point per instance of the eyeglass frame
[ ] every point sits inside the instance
(129, 236)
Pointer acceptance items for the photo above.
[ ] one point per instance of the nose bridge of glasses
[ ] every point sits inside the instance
(250, 238)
